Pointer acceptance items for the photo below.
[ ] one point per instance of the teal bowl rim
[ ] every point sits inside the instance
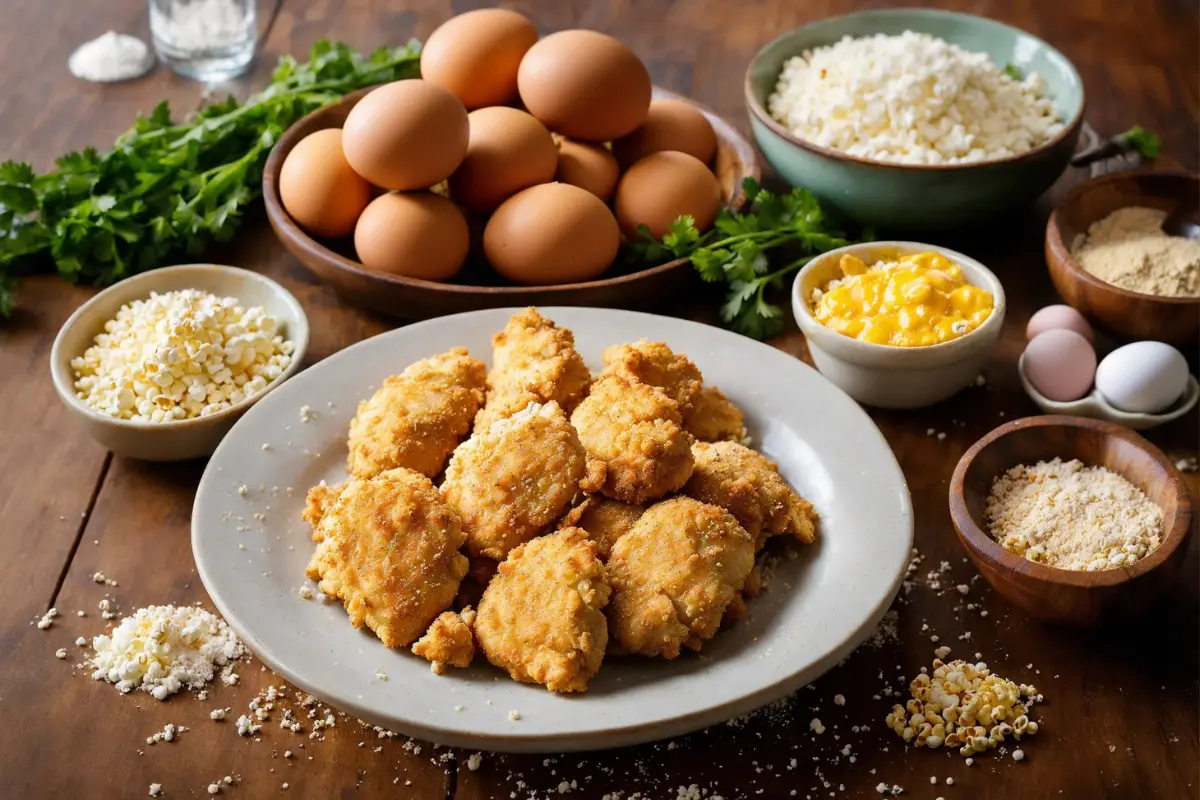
(1070, 128)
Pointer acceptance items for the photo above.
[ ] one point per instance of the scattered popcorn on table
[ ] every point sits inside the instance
(963, 705)
(162, 649)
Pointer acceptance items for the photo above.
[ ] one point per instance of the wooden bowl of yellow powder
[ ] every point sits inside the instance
(1111, 260)
(1075, 521)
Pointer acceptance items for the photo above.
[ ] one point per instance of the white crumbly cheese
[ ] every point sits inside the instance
(180, 355)
(1071, 516)
(156, 790)
(162, 649)
(911, 99)
(474, 761)
(60, 652)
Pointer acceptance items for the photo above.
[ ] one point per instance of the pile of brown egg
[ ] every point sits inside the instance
(553, 146)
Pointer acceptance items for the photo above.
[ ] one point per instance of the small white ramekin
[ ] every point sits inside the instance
(887, 376)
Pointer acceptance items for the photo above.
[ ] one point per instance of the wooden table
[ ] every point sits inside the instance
(1120, 717)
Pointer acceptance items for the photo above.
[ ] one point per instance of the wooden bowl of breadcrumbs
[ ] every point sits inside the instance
(1078, 596)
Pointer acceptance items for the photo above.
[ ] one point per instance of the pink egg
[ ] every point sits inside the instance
(1060, 316)
(1060, 364)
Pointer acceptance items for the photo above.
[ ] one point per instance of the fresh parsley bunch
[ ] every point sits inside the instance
(735, 250)
(168, 189)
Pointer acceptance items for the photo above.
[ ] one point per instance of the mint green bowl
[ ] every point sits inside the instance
(907, 196)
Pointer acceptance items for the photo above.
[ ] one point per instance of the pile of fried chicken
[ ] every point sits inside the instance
(576, 515)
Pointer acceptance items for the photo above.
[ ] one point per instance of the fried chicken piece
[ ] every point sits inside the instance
(737, 609)
(713, 418)
(418, 417)
(674, 575)
(637, 431)
(448, 641)
(533, 361)
(515, 478)
(481, 572)
(317, 502)
(603, 519)
(749, 486)
(388, 549)
(541, 618)
(656, 364)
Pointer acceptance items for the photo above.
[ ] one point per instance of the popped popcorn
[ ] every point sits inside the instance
(180, 355)
(162, 649)
(912, 99)
(964, 705)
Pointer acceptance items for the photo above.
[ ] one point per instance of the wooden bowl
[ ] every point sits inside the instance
(1059, 595)
(1127, 315)
(477, 286)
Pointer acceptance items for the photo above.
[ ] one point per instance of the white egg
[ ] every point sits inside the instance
(1143, 377)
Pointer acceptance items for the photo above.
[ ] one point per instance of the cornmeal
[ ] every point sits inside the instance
(1067, 515)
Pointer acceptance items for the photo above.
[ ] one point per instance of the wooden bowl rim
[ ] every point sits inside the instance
(287, 227)
(1070, 128)
(982, 546)
(1062, 254)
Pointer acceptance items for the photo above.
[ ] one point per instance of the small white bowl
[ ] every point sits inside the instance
(1095, 406)
(896, 377)
(178, 440)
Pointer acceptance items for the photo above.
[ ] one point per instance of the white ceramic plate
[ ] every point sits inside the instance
(818, 607)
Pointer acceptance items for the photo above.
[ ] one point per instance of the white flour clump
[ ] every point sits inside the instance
(162, 649)
(111, 57)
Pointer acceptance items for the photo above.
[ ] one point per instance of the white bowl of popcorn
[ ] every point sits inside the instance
(161, 365)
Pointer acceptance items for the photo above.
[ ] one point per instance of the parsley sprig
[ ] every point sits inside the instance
(735, 250)
(168, 189)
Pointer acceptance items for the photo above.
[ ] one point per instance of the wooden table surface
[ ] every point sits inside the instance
(1120, 717)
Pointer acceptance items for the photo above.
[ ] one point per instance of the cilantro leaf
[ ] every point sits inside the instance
(1142, 140)
(1014, 72)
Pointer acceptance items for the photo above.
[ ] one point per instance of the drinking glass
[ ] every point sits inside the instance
(208, 40)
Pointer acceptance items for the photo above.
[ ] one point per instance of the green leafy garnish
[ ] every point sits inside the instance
(1143, 141)
(1014, 72)
(735, 250)
(166, 189)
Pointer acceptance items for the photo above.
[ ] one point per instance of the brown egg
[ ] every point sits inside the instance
(663, 186)
(476, 55)
(588, 166)
(406, 135)
(414, 234)
(585, 85)
(551, 233)
(509, 151)
(670, 125)
(318, 188)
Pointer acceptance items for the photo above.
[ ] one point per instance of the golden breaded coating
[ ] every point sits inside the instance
(515, 478)
(656, 364)
(637, 431)
(449, 641)
(673, 576)
(749, 486)
(533, 361)
(418, 417)
(388, 549)
(713, 418)
(603, 519)
(317, 502)
(541, 617)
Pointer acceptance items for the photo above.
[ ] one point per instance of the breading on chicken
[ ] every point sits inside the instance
(656, 364)
(674, 575)
(388, 549)
(449, 641)
(417, 418)
(510, 481)
(603, 519)
(541, 618)
(533, 361)
(712, 417)
(749, 486)
(317, 502)
(637, 431)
